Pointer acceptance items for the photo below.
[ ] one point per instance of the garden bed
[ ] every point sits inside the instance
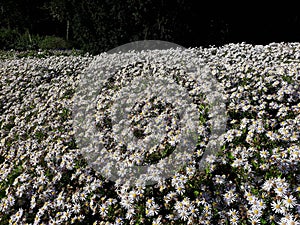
(254, 179)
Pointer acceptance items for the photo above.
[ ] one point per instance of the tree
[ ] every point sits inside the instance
(100, 25)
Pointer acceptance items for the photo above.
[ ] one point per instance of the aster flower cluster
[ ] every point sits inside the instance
(146, 119)
(252, 179)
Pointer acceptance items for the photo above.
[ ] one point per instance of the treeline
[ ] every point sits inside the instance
(99, 25)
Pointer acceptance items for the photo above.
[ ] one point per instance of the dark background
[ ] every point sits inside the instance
(100, 25)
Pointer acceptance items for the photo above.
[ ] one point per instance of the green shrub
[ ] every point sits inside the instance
(52, 42)
(27, 42)
(12, 39)
(8, 38)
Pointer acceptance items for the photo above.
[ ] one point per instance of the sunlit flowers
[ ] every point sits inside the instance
(254, 178)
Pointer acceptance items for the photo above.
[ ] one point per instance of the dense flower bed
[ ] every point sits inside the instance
(44, 179)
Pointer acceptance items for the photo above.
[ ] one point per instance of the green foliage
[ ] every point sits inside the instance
(52, 42)
(27, 42)
(8, 38)
(98, 26)
(12, 39)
